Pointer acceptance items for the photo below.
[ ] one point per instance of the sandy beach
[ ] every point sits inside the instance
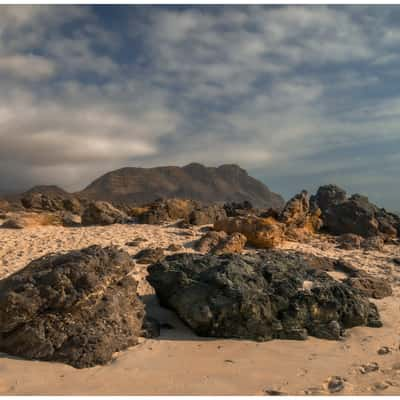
(181, 363)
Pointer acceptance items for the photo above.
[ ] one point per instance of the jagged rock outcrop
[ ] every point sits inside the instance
(355, 214)
(103, 213)
(77, 308)
(220, 243)
(194, 181)
(262, 233)
(300, 217)
(262, 296)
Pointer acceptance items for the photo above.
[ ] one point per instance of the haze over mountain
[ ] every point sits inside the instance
(194, 181)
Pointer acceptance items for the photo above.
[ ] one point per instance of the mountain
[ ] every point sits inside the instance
(193, 181)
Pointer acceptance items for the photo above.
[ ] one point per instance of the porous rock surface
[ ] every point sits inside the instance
(77, 308)
(260, 296)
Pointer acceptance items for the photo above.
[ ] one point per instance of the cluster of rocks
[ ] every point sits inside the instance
(355, 214)
(188, 211)
(78, 308)
(260, 296)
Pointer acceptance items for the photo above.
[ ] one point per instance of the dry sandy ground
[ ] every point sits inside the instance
(179, 362)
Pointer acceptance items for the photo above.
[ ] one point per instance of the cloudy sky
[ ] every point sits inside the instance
(299, 96)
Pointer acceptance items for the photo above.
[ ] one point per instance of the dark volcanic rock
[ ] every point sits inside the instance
(149, 256)
(103, 213)
(78, 308)
(328, 196)
(354, 215)
(264, 296)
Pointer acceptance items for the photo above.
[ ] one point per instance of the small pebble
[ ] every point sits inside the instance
(335, 384)
(370, 367)
(384, 350)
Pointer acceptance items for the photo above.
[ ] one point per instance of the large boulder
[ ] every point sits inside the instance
(262, 233)
(260, 296)
(355, 214)
(103, 213)
(207, 215)
(77, 308)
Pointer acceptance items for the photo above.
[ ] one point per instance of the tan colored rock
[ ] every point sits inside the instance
(262, 233)
(232, 244)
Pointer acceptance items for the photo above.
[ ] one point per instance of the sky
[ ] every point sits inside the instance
(299, 96)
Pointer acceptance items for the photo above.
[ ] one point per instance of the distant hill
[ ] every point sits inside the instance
(193, 181)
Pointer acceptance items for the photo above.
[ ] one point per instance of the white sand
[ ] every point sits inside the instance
(181, 363)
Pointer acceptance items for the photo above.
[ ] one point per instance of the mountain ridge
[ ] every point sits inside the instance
(228, 182)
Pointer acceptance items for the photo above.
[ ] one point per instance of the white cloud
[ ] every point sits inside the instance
(28, 67)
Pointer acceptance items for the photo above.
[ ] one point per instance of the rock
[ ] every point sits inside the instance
(220, 242)
(72, 205)
(258, 296)
(77, 308)
(370, 286)
(135, 242)
(210, 241)
(328, 196)
(164, 210)
(354, 215)
(260, 232)
(175, 247)
(151, 328)
(274, 392)
(22, 220)
(71, 220)
(370, 367)
(396, 261)
(335, 384)
(233, 243)
(4, 205)
(349, 241)
(378, 386)
(384, 350)
(374, 243)
(233, 209)
(103, 213)
(149, 256)
(297, 213)
(207, 215)
(13, 223)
